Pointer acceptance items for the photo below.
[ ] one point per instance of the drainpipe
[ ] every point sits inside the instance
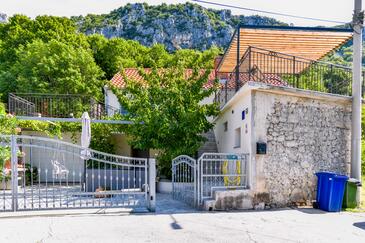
(238, 60)
(106, 99)
(358, 19)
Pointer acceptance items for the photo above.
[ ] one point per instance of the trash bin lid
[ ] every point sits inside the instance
(341, 177)
(325, 173)
(354, 181)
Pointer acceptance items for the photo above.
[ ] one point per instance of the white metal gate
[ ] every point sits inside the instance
(41, 173)
(221, 171)
(184, 181)
(195, 181)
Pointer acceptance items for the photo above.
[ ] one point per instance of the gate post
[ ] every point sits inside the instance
(14, 173)
(152, 185)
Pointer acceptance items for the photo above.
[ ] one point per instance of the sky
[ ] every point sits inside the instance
(339, 10)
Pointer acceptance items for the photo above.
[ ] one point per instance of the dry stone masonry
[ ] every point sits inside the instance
(303, 137)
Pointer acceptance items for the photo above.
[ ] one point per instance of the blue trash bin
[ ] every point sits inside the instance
(330, 191)
(322, 186)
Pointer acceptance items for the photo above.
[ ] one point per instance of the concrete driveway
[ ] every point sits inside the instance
(182, 224)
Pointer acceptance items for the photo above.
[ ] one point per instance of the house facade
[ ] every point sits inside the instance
(284, 107)
(279, 103)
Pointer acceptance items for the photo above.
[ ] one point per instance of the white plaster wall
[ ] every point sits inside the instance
(233, 114)
(111, 100)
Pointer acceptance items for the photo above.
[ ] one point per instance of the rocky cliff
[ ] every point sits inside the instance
(176, 26)
(3, 18)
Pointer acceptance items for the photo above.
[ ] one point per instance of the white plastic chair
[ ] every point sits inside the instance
(59, 171)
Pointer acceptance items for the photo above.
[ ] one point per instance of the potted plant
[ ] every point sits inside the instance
(31, 174)
(5, 166)
(21, 156)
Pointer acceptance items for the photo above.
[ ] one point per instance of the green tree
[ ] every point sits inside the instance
(156, 56)
(115, 53)
(167, 112)
(188, 58)
(21, 31)
(53, 67)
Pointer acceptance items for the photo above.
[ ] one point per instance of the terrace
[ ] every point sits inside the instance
(284, 56)
(57, 106)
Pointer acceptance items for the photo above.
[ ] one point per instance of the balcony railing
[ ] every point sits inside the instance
(285, 70)
(57, 105)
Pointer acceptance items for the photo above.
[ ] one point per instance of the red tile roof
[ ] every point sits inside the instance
(272, 79)
(133, 74)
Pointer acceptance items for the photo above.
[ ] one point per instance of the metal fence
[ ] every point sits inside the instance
(41, 173)
(195, 181)
(57, 105)
(6, 197)
(184, 183)
(220, 171)
(279, 69)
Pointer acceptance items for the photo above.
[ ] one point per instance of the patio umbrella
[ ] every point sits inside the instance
(85, 135)
(85, 141)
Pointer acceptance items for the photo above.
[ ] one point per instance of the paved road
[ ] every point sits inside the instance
(181, 224)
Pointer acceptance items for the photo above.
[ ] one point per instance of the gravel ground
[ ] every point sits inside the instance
(180, 223)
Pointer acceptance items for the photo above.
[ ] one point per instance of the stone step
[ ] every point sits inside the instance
(230, 200)
(210, 146)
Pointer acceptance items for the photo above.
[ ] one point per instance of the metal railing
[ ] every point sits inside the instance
(57, 105)
(21, 106)
(195, 181)
(221, 171)
(279, 69)
(40, 173)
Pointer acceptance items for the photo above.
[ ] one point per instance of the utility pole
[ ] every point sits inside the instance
(358, 19)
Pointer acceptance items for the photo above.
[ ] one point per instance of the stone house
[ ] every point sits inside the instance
(287, 109)
(280, 104)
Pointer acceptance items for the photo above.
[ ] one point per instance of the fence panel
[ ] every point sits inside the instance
(6, 200)
(219, 171)
(184, 185)
(52, 174)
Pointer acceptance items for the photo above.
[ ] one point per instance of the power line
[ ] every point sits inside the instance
(269, 12)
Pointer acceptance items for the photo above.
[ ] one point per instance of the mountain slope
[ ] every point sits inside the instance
(3, 18)
(176, 26)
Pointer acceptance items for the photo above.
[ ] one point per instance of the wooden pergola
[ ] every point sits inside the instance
(304, 42)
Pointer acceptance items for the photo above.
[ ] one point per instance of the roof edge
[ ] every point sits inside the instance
(226, 49)
(275, 27)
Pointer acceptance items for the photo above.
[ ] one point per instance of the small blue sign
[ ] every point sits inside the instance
(232, 156)
(243, 115)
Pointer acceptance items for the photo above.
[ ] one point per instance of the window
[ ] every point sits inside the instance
(225, 126)
(237, 137)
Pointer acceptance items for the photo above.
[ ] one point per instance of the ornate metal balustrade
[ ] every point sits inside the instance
(57, 105)
(279, 69)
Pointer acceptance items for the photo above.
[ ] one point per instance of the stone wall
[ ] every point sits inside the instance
(303, 136)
